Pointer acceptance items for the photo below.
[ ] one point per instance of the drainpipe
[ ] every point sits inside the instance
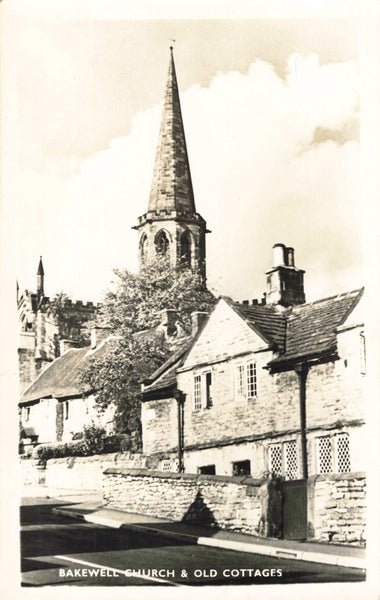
(302, 371)
(180, 397)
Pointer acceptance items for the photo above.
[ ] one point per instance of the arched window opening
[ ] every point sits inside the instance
(143, 247)
(162, 243)
(186, 249)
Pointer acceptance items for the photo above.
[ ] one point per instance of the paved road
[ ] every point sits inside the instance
(57, 550)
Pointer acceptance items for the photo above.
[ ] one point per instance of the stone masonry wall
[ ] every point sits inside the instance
(224, 502)
(337, 508)
(78, 473)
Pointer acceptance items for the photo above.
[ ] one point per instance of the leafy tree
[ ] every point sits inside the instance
(133, 306)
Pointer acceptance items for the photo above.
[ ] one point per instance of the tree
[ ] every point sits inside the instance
(134, 306)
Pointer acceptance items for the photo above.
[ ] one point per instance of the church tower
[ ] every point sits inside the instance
(171, 224)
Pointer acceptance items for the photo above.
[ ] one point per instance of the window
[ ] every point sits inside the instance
(186, 248)
(143, 247)
(207, 470)
(283, 459)
(208, 389)
(202, 390)
(291, 460)
(333, 454)
(240, 381)
(325, 455)
(66, 409)
(241, 467)
(162, 243)
(275, 459)
(246, 381)
(26, 413)
(362, 354)
(197, 393)
(251, 381)
(166, 465)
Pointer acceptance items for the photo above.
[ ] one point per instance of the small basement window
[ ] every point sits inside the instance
(241, 467)
(207, 470)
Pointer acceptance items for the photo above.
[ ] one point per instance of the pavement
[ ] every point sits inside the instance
(89, 506)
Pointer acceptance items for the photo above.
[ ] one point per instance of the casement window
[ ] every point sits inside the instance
(202, 390)
(197, 392)
(283, 459)
(26, 413)
(362, 354)
(246, 381)
(333, 453)
(66, 409)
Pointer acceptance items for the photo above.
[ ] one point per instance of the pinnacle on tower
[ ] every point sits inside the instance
(40, 278)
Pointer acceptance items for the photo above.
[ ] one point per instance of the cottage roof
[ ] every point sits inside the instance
(311, 327)
(61, 378)
(166, 375)
(268, 321)
(298, 333)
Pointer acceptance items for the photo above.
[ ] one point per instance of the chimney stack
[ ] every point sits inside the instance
(65, 345)
(98, 334)
(285, 284)
(168, 321)
(197, 319)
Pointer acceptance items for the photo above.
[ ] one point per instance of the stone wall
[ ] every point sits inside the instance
(78, 472)
(337, 508)
(235, 503)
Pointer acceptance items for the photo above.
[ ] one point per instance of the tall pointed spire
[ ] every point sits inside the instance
(171, 225)
(172, 188)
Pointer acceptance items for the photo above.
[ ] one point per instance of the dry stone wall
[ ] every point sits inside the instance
(224, 502)
(337, 507)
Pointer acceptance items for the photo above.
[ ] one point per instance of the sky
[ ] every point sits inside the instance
(271, 117)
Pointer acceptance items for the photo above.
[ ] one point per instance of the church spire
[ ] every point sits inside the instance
(171, 226)
(172, 188)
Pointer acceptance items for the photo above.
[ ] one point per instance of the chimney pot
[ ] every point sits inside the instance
(279, 255)
(290, 254)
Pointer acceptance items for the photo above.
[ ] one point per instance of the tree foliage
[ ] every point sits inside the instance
(134, 306)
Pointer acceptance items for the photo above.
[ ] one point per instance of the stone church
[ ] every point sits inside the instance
(41, 335)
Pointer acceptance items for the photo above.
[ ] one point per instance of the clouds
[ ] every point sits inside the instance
(258, 179)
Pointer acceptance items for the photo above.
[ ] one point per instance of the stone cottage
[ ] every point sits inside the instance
(275, 387)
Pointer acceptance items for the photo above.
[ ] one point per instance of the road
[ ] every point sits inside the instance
(57, 550)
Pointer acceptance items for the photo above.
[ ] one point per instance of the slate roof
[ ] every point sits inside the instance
(311, 328)
(61, 378)
(165, 376)
(300, 332)
(267, 321)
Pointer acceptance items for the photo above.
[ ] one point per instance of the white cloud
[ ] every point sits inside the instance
(258, 179)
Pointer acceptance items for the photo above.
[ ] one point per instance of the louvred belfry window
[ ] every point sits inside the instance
(162, 243)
